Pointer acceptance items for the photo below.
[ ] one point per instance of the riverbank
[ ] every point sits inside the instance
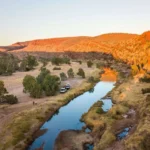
(19, 132)
(130, 110)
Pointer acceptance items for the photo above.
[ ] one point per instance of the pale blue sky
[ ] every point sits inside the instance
(23, 20)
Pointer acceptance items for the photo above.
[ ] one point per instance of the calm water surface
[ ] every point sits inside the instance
(69, 115)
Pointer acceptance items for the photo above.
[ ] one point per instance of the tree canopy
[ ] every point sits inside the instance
(81, 73)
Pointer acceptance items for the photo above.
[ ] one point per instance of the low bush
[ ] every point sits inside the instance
(147, 90)
(89, 64)
(145, 79)
(59, 60)
(91, 79)
(99, 110)
(56, 68)
(9, 99)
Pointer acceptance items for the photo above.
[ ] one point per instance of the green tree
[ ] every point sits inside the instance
(51, 85)
(29, 83)
(36, 91)
(32, 86)
(32, 61)
(44, 72)
(63, 76)
(28, 63)
(8, 64)
(89, 64)
(2, 89)
(81, 73)
(70, 73)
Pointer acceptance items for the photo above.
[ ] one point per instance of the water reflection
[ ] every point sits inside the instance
(91, 90)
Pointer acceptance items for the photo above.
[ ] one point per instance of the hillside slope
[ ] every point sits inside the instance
(79, 44)
(130, 48)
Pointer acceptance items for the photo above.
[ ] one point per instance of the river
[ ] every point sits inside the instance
(69, 116)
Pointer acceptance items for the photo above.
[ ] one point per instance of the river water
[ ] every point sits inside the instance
(69, 116)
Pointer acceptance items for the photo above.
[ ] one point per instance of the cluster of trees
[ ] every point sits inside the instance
(44, 83)
(59, 60)
(71, 74)
(8, 64)
(28, 63)
(4, 97)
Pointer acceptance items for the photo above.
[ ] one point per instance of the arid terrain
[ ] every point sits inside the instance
(14, 86)
(120, 57)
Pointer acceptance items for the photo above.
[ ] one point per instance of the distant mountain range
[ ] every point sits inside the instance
(131, 48)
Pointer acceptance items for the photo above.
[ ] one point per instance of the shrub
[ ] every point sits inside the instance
(89, 64)
(2, 89)
(81, 73)
(91, 79)
(58, 60)
(99, 110)
(98, 65)
(56, 68)
(80, 62)
(44, 72)
(51, 85)
(28, 63)
(70, 73)
(36, 91)
(8, 64)
(28, 83)
(63, 76)
(145, 79)
(10, 99)
(147, 90)
(44, 61)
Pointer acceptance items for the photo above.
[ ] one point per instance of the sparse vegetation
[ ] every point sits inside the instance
(56, 68)
(59, 60)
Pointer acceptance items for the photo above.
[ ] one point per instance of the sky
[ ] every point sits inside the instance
(23, 20)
